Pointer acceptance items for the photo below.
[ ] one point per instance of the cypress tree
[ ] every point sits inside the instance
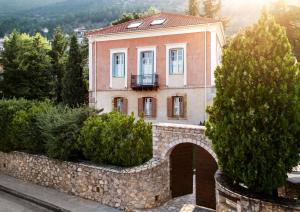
(211, 8)
(58, 55)
(254, 122)
(74, 88)
(193, 8)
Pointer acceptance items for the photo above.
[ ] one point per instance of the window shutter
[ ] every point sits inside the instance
(114, 104)
(185, 106)
(125, 106)
(113, 65)
(154, 107)
(140, 106)
(170, 107)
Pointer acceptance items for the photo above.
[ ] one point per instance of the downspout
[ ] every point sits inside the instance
(205, 73)
(95, 80)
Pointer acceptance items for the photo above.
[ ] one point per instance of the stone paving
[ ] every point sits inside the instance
(180, 204)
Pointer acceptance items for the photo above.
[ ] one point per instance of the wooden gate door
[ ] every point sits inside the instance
(206, 168)
(181, 165)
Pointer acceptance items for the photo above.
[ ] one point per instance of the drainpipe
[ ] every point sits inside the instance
(95, 80)
(205, 74)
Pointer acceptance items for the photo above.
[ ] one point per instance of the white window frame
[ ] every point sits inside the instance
(143, 49)
(151, 106)
(180, 105)
(185, 70)
(112, 52)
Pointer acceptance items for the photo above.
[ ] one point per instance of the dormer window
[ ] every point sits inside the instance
(158, 21)
(134, 25)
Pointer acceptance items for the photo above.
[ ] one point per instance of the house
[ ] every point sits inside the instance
(1, 44)
(80, 32)
(160, 66)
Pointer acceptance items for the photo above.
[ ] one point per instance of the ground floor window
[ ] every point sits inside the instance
(147, 107)
(176, 106)
(120, 104)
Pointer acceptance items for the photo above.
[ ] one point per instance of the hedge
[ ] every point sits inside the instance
(65, 133)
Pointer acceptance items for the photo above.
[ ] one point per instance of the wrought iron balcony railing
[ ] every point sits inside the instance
(145, 81)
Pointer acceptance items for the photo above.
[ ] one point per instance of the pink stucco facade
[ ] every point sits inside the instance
(195, 44)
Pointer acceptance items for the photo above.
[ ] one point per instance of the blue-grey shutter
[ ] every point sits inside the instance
(113, 65)
(123, 56)
(170, 62)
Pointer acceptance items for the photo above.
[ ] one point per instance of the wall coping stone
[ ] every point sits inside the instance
(154, 162)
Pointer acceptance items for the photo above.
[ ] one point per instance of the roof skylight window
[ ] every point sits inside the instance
(134, 24)
(158, 21)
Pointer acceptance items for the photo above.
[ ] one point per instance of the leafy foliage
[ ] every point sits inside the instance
(288, 17)
(26, 65)
(74, 89)
(193, 8)
(59, 57)
(116, 139)
(60, 128)
(135, 15)
(8, 109)
(254, 123)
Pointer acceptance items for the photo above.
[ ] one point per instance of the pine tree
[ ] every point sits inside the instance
(58, 55)
(193, 8)
(74, 88)
(254, 122)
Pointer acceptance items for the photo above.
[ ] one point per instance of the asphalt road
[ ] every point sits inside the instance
(9, 203)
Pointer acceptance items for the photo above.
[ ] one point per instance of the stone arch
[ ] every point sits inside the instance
(166, 153)
(167, 136)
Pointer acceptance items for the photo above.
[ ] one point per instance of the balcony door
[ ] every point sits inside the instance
(147, 68)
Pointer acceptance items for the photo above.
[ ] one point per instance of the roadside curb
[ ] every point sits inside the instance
(31, 199)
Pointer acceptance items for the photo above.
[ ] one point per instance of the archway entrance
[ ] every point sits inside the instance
(187, 159)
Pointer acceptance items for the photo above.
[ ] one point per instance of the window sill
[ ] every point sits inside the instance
(119, 77)
(181, 74)
(177, 118)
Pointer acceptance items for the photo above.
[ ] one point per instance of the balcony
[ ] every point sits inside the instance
(144, 82)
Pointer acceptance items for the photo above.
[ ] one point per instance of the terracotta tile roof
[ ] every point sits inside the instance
(172, 20)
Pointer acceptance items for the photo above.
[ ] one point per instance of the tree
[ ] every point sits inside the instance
(288, 17)
(26, 65)
(193, 8)
(211, 8)
(254, 122)
(135, 15)
(58, 55)
(74, 88)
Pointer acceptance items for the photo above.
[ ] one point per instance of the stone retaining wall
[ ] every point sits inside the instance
(145, 186)
(236, 198)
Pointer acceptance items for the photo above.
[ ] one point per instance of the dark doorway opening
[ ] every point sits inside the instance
(186, 161)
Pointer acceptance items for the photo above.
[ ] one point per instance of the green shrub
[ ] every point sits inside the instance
(60, 127)
(25, 131)
(254, 123)
(8, 109)
(116, 139)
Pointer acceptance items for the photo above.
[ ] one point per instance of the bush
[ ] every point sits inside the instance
(254, 123)
(60, 127)
(8, 109)
(25, 131)
(116, 139)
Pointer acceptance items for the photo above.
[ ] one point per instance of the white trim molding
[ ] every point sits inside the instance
(113, 51)
(90, 65)
(213, 56)
(174, 46)
(142, 49)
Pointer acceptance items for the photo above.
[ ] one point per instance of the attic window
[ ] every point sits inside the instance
(134, 25)
(158, 21)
